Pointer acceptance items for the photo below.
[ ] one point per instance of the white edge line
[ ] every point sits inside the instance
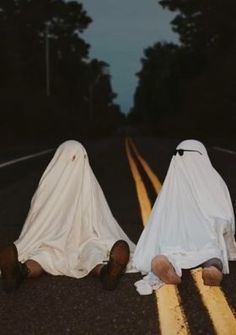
(225, 150)
(25, 158)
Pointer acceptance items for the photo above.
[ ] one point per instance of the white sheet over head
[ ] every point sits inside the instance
(70, 228)
(192, 219)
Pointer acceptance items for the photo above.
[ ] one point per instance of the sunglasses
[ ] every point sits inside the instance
(181, 151)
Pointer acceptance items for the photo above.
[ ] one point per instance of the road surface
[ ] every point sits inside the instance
(62, 305)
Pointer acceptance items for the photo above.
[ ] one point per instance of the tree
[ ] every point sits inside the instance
(39, 38)
(207, 29)
(157, 93)
(204, 25)
(197, 92)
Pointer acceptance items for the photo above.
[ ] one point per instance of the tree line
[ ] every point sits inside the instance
(49, 87)
(190, 86)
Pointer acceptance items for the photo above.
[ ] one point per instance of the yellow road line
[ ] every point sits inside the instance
(213, 298)
(171, 316)
(153, 178)
(144, 202)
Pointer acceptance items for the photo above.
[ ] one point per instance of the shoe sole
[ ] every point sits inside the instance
(119, 258)
(8, 265)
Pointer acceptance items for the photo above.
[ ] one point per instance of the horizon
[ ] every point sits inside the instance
(132, 28)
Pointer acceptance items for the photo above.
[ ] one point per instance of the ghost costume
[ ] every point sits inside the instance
(69, 228)
(192, 219)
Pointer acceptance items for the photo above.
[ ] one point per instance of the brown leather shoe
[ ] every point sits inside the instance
(13, 272)
(112, 272)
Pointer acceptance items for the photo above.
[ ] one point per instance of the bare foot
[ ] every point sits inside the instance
(211, 276)
(165, 270)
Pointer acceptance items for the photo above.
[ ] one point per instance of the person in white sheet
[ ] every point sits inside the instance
(191, 223)
(69, 229)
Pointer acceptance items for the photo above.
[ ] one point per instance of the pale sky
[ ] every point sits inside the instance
(120, 31)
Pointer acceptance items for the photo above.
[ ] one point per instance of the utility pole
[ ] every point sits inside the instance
(47, 59)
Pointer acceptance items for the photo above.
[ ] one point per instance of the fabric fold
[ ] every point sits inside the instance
(192, 219)
(69, 228)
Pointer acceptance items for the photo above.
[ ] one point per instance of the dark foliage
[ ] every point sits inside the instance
(189, 86)
(43, 39)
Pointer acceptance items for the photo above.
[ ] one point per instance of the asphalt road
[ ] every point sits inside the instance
(62, 305)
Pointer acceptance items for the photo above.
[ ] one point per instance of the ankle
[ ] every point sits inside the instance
(216, 262)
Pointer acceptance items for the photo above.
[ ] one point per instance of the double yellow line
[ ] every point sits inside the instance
(171, 316)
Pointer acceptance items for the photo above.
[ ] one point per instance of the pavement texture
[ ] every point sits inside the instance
(63, 305)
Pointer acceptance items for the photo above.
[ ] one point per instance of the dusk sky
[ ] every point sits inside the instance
(119, 33)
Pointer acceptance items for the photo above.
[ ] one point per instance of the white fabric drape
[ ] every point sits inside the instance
(70, 228)
(192, 219)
